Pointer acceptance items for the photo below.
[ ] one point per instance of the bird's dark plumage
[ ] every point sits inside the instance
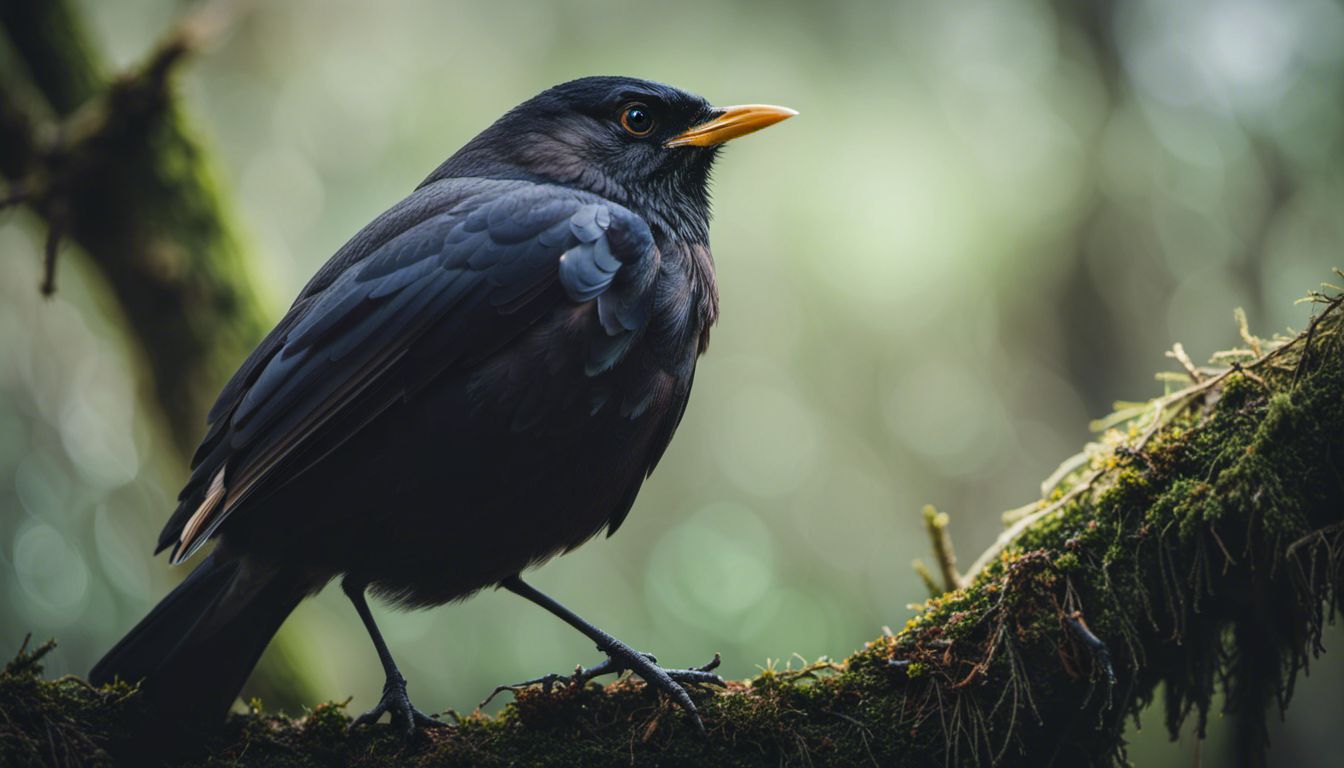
(480, 379)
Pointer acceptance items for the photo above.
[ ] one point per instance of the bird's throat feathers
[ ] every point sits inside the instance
(670, 192)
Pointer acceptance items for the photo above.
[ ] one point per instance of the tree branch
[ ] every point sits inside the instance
(1202, 549)
(113, 167)
(123, 176)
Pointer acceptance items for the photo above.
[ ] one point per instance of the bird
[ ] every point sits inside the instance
(479, 380)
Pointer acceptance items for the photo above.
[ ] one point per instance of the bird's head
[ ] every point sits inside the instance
(645, 145)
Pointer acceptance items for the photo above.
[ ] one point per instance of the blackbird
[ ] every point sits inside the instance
(479, 380)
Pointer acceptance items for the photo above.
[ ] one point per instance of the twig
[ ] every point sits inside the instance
(26, 660)
(1228, 560)
(935, 523)
(1310, 334)
(56, 221)
(1017, 513)
(1066, 467)
(1244, 328)
(1007, 537)
(1241, 369)
(1315, 536)
(1177, 353)
(926, 576)
(204, 25)
(1306, 352)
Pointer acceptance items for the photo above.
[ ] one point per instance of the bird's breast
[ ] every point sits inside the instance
(504, 462)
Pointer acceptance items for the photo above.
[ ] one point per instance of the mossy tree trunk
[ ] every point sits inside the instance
(113, 167)
(125, 179)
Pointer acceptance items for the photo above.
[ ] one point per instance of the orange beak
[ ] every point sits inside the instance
(730, 123)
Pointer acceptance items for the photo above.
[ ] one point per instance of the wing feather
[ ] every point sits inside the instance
(448, 275)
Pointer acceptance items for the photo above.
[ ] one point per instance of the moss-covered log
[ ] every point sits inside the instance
(1198, 546)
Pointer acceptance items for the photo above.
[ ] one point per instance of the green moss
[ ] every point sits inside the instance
(57, 722)
(1155, 575)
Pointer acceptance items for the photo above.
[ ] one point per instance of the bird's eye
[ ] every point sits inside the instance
(636, 120)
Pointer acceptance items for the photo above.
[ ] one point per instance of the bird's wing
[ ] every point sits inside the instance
(476, 267)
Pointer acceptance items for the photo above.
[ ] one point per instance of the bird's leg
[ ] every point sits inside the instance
(620, 657)
(394, 701)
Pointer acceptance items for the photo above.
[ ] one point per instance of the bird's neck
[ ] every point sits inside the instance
(675, 202)
(680, 224)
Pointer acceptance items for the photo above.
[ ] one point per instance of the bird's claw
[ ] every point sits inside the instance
(623, 658)
(405, 717)
(669, 681)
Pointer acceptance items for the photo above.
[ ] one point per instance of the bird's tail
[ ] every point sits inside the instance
(196, 648)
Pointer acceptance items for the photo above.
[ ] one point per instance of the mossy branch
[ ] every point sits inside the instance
(1199, 547)
(112, 165)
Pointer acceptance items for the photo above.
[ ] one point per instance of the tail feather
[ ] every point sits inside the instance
(195, 649)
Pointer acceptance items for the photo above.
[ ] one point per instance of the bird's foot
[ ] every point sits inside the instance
(405, 717)
(623, 658)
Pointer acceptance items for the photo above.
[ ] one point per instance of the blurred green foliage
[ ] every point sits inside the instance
(987, 224)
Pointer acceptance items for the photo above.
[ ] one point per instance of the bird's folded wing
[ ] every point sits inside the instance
(472, 261)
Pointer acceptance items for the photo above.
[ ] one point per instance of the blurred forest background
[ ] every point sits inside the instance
(988, 224)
